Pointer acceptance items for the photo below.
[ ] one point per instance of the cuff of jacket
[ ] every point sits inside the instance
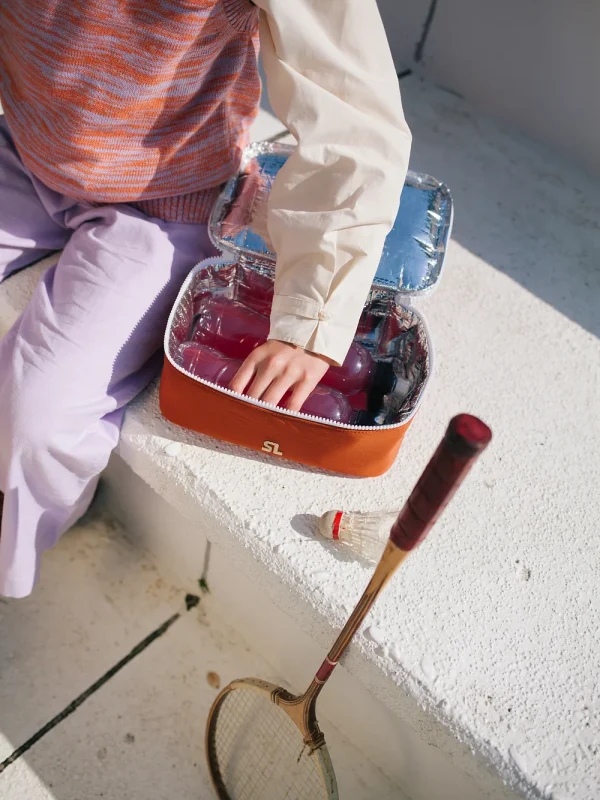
(306, 323)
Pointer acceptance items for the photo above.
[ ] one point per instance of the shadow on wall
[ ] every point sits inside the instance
(519, 206)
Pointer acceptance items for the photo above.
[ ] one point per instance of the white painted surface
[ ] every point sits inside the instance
(142, 734)
(535, 64)
(508, 665)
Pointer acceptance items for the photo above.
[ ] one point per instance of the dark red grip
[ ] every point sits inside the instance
(465, 439)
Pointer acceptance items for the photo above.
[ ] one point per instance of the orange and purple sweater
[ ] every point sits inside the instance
(146, 102)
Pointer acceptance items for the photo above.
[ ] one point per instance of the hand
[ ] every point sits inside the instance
(275, 368)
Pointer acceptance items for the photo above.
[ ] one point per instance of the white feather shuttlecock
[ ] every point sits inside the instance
(365, 534)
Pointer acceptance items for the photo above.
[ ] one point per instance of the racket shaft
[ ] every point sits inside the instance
(465, 439)
(390, 561)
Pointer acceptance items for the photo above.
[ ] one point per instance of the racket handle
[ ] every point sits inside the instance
(466, 438)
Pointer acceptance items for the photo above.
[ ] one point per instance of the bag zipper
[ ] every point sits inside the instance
(227, 257)
(223, 260)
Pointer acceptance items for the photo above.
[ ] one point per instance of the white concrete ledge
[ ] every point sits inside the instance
(488, 635)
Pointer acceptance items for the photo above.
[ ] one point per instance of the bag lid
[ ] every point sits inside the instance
(414, 250)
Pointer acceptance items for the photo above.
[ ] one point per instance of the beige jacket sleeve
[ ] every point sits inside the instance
(332, 83)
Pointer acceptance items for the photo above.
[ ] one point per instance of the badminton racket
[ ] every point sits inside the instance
(264, 743)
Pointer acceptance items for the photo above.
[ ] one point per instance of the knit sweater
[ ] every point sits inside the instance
(149, 102)
(140, 101)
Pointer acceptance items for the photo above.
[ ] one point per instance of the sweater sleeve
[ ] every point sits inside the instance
(332, 83)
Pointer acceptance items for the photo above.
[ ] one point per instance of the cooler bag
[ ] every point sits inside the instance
(392, 331)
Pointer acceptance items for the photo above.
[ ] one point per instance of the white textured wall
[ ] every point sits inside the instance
(534, 63)
(403, 20)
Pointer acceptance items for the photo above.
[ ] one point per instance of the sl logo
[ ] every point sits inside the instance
(271, 447)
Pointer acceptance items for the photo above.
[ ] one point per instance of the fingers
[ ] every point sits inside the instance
(273, 379)
(300, 395)
(243, 376)
(278, 388)
(275, 369)
(267, 373)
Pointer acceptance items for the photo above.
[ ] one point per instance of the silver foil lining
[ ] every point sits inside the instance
(392, 333)
(414, 250)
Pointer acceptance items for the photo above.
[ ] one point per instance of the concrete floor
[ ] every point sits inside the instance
(141, 734)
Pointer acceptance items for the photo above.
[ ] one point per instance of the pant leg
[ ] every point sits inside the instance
(28, 229)
(86, 345)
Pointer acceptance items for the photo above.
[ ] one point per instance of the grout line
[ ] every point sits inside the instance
(277, 136)
(203, 580)
(191, 601)
(420, 47)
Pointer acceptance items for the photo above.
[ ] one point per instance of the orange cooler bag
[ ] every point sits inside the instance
(390, 328)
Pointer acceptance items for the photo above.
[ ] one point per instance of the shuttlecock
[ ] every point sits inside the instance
(365, 534)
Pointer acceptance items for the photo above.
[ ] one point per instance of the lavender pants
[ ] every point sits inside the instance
(88, 342)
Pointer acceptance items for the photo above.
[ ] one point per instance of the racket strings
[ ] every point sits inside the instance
(260, 753)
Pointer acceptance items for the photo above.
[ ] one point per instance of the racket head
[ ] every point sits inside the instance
(256, 751)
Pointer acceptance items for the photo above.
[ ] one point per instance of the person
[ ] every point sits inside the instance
(122, 120)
